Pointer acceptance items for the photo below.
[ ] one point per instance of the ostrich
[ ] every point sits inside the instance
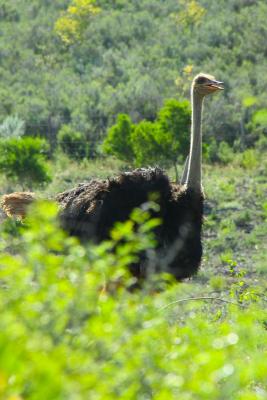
(90, 210)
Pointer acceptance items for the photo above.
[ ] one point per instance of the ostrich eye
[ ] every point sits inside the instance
(201, 80)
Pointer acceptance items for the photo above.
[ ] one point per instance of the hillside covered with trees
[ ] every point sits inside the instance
(128, 58)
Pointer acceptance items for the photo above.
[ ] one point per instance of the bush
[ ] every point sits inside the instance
(174, 121)
(146, 149)
(23, 160)
(249, 159)
(163, 141)
(225, 153)
(173, 136)
(12, 126)
(261, 144)
(118, 140)
(72, 143)
(259, 118)
(218, 152)
(69, 328)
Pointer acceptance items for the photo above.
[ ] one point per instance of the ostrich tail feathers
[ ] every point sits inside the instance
(15, 204)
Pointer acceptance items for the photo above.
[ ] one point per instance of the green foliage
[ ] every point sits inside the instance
(72, 143)
(191, 13)
(115, 67)
(225, 153)
(12, 126)
(70, 328)
(260, 117)
(146, 148)
(249, 101)
(71, 25)
(23, 160)
(118, 140)
(257, 124)
(264, 207)
(222, 152)
(249, 159)
(261, 144)
(174, 120)
(146, 143)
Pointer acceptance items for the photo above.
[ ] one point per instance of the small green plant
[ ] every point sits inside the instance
(218, 283)
(227, 259)
(73, 143)
(249, 159)
(23, 161)
(12, 126)
(228, 189)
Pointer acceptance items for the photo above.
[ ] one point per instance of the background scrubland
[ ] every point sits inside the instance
(69, 328)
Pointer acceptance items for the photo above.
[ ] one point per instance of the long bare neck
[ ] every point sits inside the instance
(195, 156)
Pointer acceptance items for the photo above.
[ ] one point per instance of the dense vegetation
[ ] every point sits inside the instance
(127, 61)
(164, 141)
(116, 71)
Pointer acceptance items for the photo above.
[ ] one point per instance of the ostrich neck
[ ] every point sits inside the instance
(195, 155)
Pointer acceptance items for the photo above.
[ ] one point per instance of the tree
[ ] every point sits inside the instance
(73, 143)
(71, 25)
(144, 143)
(164, 141)
(118, 140)
(191, 13)
(173, 135)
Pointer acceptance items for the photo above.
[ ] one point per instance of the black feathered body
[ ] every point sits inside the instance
(90, 210)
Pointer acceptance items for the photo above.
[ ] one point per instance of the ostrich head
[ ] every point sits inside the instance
(204, 84)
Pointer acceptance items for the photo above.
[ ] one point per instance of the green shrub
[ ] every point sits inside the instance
(163, 141)
(249, 159)
(72, 143)
(12, 126)
(174, 121)
(147, 150)
(118, 140)
(259, 118)
(261, 144)
(219, 152)
(23, 160)
(173, 135)
(69, 328)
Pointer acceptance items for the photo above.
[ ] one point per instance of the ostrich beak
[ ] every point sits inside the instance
(216, 85)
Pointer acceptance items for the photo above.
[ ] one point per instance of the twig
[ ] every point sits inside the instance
(200, 298)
